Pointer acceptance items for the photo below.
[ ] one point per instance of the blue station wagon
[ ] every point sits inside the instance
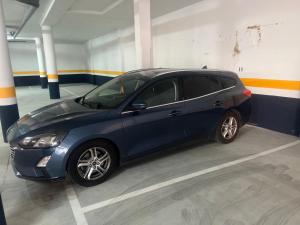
(131, 115)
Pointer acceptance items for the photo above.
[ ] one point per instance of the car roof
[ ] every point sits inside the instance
(159, 72)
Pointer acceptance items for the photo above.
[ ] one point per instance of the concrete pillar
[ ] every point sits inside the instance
(9, 112)
(50, 62)
(143, 38)
(41, 62)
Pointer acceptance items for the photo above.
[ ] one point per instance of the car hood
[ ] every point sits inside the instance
(47, 116)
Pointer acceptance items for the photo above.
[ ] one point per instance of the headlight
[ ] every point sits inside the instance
(40, 141)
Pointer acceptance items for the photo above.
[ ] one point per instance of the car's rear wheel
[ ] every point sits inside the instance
(228, 127)
(92, 163)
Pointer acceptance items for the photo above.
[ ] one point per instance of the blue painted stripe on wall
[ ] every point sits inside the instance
(276, 113)
(83, 78)
(27, 81)
(73, 78)
(44, 82)
(98, 80)
(63, 79)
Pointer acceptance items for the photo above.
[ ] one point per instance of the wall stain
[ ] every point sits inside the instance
(236, 49)
(258, 30)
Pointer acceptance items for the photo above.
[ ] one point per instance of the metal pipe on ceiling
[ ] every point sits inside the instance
(35, 5)
(27, 40)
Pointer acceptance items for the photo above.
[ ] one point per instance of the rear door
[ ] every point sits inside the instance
(203, 103)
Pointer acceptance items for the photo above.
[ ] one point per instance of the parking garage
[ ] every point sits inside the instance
(55, 51)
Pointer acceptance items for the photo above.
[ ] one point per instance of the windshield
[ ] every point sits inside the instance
(114, 92)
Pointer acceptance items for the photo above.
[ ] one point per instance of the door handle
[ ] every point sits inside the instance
(218, 103)
(174, 113)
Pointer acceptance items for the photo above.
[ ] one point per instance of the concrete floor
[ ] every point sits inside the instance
(264, 189)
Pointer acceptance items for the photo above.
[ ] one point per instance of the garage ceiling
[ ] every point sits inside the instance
(83, 20)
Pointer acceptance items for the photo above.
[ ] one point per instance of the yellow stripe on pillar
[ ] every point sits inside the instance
(43, 73)
(7, 92)
(52, 76)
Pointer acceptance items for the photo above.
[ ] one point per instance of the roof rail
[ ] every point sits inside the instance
(146, 69)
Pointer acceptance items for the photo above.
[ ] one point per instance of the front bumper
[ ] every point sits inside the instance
(24, 164)
(36, 178)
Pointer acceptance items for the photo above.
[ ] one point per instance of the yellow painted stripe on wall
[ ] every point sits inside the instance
(109, 72)
(73, 71)
(44, 73)
(26, 72)
(52, 76)
(268, 83)
(7, 92)
(251, 82)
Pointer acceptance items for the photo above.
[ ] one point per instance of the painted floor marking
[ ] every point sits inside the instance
(70, 92)
(75, 206)
(183, 178)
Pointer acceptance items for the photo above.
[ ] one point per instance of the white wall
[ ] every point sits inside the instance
(68, 56)
(208, 32)
(115, 51)
(23, 56)
(71, 56)
(265, 34)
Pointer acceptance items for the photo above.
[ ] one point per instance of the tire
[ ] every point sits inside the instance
(231, 123)
(92, 163)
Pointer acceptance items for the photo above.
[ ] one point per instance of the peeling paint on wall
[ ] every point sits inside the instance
(236, 49)
(258, 29)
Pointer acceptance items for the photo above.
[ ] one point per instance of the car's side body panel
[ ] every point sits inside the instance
(134, 132)
(152, 128)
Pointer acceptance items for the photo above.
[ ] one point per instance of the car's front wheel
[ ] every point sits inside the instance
(92, 163)
(228, 127)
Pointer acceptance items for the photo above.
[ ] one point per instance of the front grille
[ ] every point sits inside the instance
(12, 152)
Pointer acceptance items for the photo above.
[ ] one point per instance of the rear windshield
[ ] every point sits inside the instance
(227, 82)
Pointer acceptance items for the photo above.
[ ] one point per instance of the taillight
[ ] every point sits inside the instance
(247, 93)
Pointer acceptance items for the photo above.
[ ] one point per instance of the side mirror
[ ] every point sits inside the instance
(139, 105)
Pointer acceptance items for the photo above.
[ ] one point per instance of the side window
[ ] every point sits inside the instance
(227, 82)
(197, 85)
(163, 92)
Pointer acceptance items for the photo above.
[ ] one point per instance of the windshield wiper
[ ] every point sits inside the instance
(82, 101)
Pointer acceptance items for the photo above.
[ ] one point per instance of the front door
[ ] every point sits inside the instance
(160, 123)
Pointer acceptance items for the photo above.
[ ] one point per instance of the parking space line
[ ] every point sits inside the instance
(183, 178)
(70, 92)
(75, 206)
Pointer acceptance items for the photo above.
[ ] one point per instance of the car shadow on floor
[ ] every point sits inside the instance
(169, 151)
(31, 201)
(161, 153)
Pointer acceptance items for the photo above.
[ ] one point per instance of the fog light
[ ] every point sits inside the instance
(43, 162)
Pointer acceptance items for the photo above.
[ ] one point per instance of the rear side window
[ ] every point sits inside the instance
(196, 85)
(227, 82)
(163, 92)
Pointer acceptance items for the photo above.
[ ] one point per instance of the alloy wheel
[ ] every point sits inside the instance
(93, 163)
(229, 127)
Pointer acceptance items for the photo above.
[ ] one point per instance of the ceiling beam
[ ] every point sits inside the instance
(98, 13)
(55, 11)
